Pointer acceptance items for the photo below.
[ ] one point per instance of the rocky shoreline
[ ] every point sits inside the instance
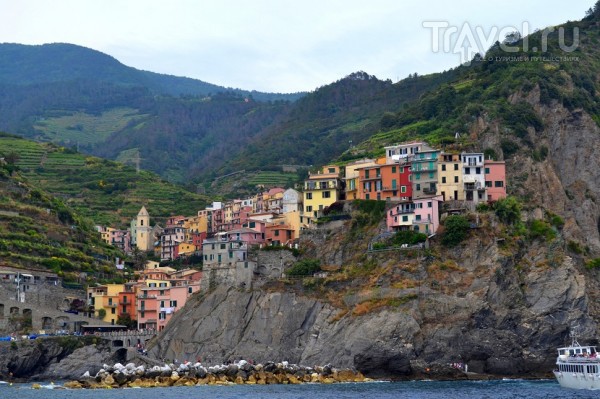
(193, 374)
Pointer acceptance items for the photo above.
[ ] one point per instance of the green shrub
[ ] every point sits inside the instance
(575, 247)
(593, 264)
(456, 228)
(508, 210)
(410, 237)
(306, 267)
(541, 229)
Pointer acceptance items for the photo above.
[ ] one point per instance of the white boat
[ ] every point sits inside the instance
(578, 367)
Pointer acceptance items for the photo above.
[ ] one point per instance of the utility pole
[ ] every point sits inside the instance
(18, 286)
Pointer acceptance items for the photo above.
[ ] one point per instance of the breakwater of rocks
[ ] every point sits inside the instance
(192, 374)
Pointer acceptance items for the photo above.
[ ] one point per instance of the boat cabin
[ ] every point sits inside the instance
(577, 351)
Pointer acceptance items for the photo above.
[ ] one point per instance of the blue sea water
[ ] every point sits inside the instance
(380, 390)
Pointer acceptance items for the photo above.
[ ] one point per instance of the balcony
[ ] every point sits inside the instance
(422, 221)
(474, 187)
(403, 212)
(430, 191)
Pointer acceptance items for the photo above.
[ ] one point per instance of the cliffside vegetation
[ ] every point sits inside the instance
(40, 231)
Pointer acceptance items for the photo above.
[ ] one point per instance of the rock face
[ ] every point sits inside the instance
(52, 358)
(502, 311)
(507, 319)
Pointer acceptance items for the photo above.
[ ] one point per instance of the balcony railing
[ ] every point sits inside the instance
(429, 191)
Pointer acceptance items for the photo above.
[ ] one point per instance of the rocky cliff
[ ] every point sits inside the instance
(499, 308)
(53, 358)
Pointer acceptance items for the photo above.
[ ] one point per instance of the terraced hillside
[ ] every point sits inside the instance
(80, 128)
(107, 192)
(40, 231)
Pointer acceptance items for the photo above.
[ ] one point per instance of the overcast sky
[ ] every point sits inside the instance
(277, 46)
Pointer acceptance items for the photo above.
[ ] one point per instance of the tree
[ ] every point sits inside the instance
(126, 320)
(139, 259)
(455, 230)
(508, 210)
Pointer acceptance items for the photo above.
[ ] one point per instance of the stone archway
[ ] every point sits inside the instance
(14, 311)
(118, 343)
(47, 323)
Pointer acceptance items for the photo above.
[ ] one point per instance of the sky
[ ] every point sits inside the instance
(280, 46)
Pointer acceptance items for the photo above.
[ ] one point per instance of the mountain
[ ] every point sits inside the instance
(24, 65)
(77, 97)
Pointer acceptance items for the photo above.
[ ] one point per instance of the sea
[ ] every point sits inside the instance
(379, 390)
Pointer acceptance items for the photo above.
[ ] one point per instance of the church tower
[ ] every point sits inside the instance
(143, 233)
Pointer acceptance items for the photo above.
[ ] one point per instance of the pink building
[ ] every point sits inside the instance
(495, 180)
(427, 214)
(400, 216)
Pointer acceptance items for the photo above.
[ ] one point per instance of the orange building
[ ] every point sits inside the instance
(384, 181)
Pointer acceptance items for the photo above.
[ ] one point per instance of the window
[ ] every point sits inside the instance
(223, 246)
(488, 183)
(443, 167)
(418, 176)
(404, 218)
(401, 169)
(455, 179)
(402, 189)
(393, 184)
(162, 304)
(308, 196)
(467, 171)
(498, 183)
(366, 173)
(367, 196)
(455, 166)
(173, 304)
(161, 292)
(478, 171)
(190, 290)
(309, 208)
(113, 311)
(331, 170)
(326, 194)
(487, 171)
(393, 169)
(142, 314)
(124, 309)
(276, 233)
(444, 179)
(230, 254)
(429, 204)
(162, 316)
(418, 188)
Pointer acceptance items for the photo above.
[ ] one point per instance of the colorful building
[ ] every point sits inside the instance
(352, 175)
(473, 177)
(400, 216)
(427, 214)
(320, 191)
(144, 234)
(424, 173)
(495, 180)
(450, 183)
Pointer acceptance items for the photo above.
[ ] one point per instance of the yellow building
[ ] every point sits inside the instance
(351, 177)
(450, 182)
(105, 299)
(320, 191)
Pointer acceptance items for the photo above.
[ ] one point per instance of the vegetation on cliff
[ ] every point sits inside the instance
(38, 230)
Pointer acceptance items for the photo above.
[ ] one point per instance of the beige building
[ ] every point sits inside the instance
(144, 233)
(450, 181)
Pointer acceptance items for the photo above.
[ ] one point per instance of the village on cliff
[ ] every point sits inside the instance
(413, 178)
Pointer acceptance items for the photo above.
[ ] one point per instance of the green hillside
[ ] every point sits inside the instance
(40, 231)
(107, 192)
